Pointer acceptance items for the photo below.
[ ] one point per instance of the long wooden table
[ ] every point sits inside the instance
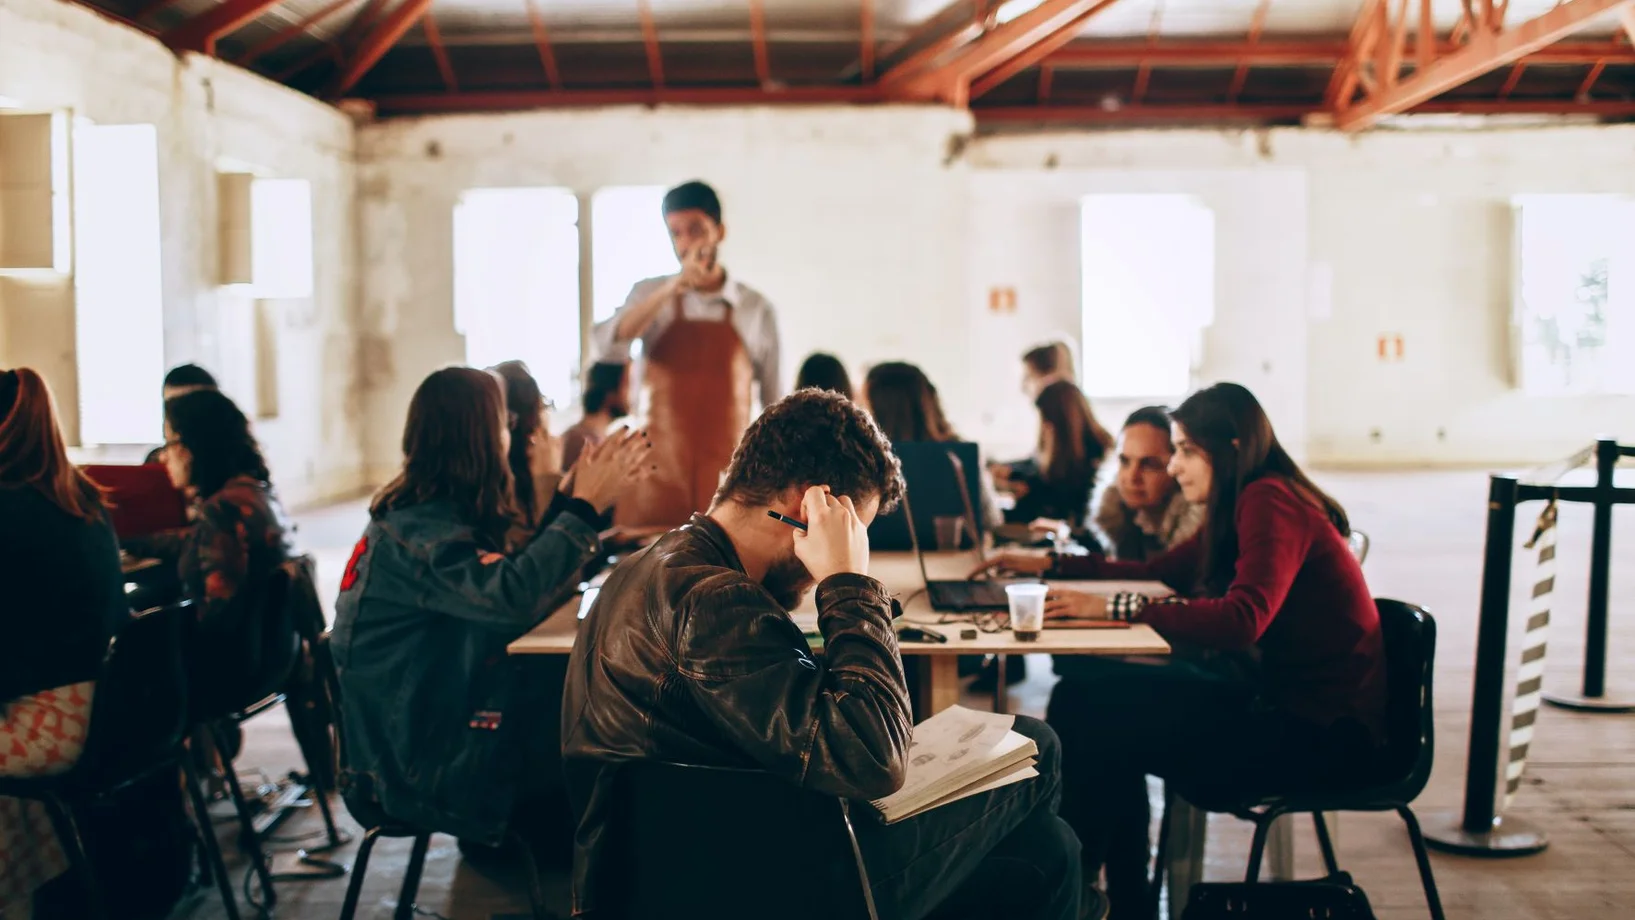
(939, 681)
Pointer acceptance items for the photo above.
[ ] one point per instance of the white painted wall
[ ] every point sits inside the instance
(1416, 227)
(61, 55)
(851, 220)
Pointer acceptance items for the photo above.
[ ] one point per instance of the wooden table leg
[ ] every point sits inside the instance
(939, 684)
(1001, 689)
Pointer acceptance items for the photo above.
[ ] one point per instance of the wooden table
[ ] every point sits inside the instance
(939, 681)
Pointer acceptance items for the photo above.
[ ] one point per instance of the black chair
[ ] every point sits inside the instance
(138, 720)
(378, 824)
(1410, 655)
(753, 845)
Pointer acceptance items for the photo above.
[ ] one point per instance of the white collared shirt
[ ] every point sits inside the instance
(751, 314)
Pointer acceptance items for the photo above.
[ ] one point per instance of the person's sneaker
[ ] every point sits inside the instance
(1093, 905)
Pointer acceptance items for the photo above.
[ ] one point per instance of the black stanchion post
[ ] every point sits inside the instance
(1595, 625)
(1478, 831)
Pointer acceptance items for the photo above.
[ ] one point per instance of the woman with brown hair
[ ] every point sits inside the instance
(906, 406)
(65, 597)
(442, 731)
(1072, 445)
(1269, 573)
(535, 455)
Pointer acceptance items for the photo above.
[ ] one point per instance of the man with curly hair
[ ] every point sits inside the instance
(690, 656)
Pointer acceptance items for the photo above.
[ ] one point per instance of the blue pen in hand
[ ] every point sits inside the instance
(798, 525)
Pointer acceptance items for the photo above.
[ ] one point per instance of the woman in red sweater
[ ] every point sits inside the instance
(1268, 575)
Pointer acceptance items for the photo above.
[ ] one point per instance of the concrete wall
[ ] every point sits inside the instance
(57, 55)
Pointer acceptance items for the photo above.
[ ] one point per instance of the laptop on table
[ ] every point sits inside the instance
(962, 595)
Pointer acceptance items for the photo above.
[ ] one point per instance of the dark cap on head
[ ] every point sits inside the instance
(693, 196)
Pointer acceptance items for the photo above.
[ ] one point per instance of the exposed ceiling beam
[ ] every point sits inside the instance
(925, 58)
(290, 32)
(650, 41)
(542, 41)
(1143, 73)
(1043, 50)
(962, 12)
(434, 37)
(1113, 55)
(1087, 114)
(375, 45)
(1589, 80)
(865, 28)
(201, 32)
(950, 80)
(484, 101)
(757, 34)
(1349, 72)
(1487, 50)
(1241, 75)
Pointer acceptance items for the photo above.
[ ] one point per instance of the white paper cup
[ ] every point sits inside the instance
(1027, 610)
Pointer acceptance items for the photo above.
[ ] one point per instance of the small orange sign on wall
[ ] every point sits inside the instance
(1390, 346)
(1002, 299)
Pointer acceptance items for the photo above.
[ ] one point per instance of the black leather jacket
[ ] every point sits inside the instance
(685, 659)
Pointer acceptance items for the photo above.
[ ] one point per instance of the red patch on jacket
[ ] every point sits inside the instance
(351, 576)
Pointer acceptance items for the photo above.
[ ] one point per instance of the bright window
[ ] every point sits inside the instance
(516, 282)
(119, 312)
(1149, 290)
(629, 243)
(1575, 294)
(281, 234)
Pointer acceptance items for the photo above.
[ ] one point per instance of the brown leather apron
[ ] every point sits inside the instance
(697, 383)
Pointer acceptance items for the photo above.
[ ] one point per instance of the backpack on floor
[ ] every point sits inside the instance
(1332, 898)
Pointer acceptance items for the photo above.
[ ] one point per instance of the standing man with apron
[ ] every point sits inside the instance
(707, 340)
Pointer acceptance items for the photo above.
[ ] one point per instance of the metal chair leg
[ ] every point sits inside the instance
(1257, 849)
(1160, 860)
(249, 840)
(67, 829)
(322, 795)
(1426, 878)
(360, 865)
(411, 879)
(857, 855)
(1325, 843)
(207, 836)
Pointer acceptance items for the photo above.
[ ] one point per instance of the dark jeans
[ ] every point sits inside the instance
(1001, 854)
(1197, 726)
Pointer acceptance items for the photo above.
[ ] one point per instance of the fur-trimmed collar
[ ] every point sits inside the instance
(1132, 534)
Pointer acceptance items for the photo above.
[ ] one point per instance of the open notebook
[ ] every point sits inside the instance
(958, 753)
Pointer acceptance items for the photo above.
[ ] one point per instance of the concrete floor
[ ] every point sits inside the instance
(1427, 530)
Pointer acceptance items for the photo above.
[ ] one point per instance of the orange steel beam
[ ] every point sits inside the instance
(1399, 43)
(1486, 51)
(1241, 75)
(542, 41)
(375, 45)
(289, 33)
(507, 100)
(919, 61)
(1342, 83)
(757, 33)
(1143, 74)
(1425, 39)
(650, 40)
(1113, 55)
(951, 79)
(1511, 81)
(1589, 81)
(1040, 53)
(201, 32)
(932, 25)
(1278, 112)
(434, 37)
(865, 29)
(1047, 75)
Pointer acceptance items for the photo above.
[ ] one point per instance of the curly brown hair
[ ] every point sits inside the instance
(813, 438)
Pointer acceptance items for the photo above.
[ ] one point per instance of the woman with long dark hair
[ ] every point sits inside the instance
(64, 598)
(443, 731)
(906, 406)
(825, 372)
(535, 456)
(1072, 446)
(1269, 572)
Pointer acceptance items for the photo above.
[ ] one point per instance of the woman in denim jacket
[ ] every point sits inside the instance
(436, 719)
